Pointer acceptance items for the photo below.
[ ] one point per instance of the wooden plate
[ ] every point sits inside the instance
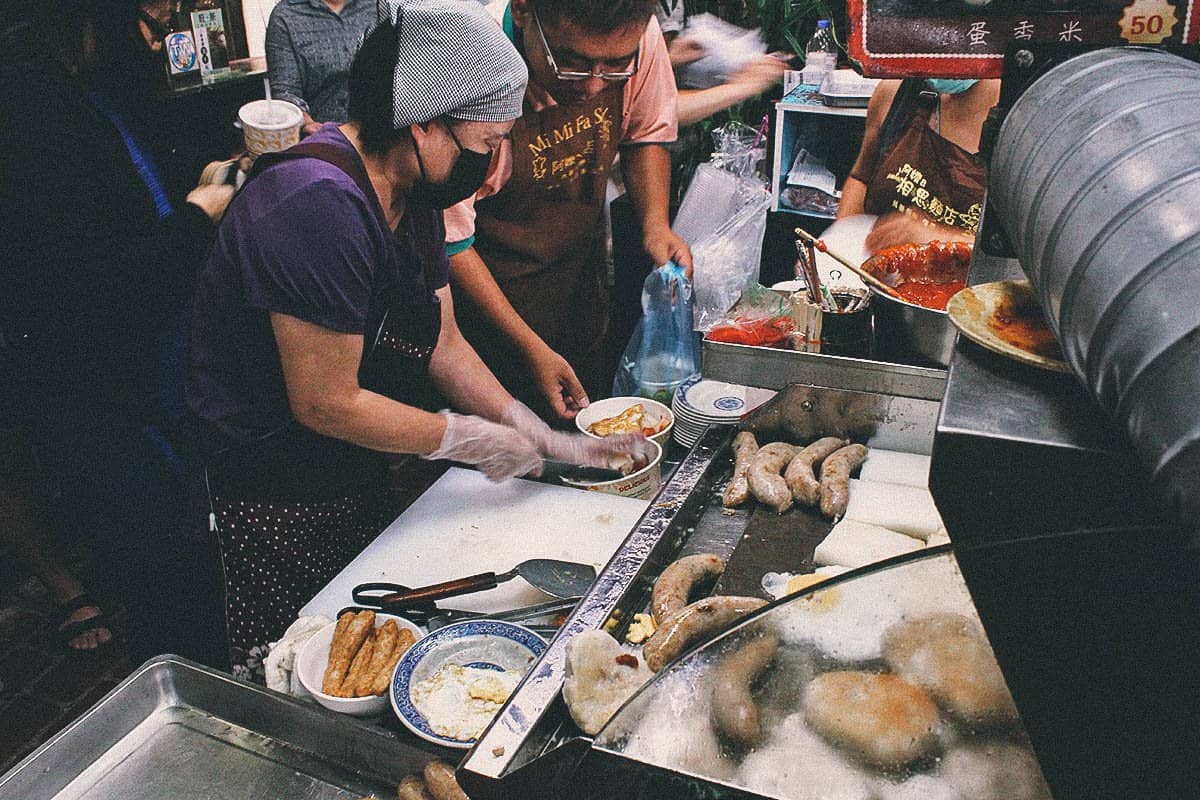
(973, 312)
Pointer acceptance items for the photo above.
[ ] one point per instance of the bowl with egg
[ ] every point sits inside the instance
(450, 685)
(347, 665)
(614, 415)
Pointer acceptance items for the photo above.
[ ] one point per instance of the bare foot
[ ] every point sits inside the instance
(87, 639)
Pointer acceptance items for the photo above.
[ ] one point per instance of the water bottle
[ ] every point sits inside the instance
(820, 55)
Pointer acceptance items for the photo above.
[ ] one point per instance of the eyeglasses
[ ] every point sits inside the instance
(576, 75)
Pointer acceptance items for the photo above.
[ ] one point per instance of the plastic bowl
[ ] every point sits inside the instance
(314, 658)
(612, 406)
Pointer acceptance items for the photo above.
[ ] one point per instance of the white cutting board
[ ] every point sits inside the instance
(464, 524)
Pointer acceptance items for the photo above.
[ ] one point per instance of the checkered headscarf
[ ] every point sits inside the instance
(453, 60)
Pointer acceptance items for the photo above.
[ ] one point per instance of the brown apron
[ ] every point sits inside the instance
(929, 174)
(542, 237)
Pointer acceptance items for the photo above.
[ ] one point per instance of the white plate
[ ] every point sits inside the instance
(489, 644)
(713, 400)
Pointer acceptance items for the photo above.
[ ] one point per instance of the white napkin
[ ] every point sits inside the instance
(281, 661)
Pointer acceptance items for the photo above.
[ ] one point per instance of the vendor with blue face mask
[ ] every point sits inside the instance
(919, 170)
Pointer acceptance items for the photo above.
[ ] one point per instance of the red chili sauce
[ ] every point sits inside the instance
(1019, 322)
(930, 295)
(925, 274)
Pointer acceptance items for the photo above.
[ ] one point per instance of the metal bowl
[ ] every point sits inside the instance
(908, 326)
(924, 331)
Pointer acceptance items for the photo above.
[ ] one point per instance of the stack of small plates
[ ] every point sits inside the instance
(699, 403)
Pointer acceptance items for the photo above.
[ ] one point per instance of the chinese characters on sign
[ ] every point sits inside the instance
(954, 38)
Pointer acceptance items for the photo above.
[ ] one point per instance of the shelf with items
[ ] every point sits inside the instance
(830, 135)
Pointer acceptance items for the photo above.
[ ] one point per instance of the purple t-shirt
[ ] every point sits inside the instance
(300, 239)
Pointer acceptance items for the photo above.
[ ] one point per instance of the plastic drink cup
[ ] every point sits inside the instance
(269, 126)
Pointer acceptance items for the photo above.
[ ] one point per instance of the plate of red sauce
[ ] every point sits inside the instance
(1005, 317)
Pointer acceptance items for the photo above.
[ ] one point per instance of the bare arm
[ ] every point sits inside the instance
(750, 81)
(550, 371)
(854, 191)
(320, 369)
(647, 169)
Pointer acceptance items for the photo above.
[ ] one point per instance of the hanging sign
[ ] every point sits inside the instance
(967, 38)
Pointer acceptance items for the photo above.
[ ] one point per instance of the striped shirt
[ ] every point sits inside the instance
(309, 50)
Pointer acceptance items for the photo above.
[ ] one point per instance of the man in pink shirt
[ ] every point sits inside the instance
(527, 251)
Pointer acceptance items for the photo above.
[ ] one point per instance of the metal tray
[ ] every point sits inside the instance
(177, 729)
(533, 748)
(773, 368)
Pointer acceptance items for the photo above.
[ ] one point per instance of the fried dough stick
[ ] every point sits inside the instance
(404, 640)
(358, 667)
(346, 643)
(385, 642)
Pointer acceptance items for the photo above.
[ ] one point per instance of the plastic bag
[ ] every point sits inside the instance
(760, 317)
(727, 48)
(726, 262)
(738, 148)
(713, 197)
(663, 351)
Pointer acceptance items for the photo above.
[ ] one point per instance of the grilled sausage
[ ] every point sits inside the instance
(835, 479)
(734, 712)
(441, 783)
(765, 475)
(695, 622)
(672, 588)
(801, 473)
(738, 490)
(413, 788)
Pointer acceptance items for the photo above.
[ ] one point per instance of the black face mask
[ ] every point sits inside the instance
(466, 176)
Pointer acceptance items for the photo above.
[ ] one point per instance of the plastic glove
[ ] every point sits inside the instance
(499, 451)
(578, 448)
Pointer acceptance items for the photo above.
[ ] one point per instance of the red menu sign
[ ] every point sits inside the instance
(967, 38)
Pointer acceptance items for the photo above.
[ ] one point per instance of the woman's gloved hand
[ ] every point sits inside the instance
(499, 451)
(578, 448)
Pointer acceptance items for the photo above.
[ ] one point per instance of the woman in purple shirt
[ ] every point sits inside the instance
(323, 332)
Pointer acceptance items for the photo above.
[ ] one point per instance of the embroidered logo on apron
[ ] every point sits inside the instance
(564, 153)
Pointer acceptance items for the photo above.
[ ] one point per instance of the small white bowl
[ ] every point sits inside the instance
(612, 406)
(314, 658)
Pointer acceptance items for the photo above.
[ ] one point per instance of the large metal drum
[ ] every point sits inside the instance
(1096, 178)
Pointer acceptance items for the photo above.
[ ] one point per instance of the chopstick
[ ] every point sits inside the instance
(807, 264)
(859, 271)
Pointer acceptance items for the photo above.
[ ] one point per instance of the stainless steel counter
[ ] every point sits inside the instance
(1019, 449)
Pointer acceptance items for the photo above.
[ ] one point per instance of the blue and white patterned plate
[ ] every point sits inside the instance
(484, 644)
(712, 401)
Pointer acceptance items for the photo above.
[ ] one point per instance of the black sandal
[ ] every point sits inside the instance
(67, 632)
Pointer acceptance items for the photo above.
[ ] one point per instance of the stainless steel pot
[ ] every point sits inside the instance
(914, 328)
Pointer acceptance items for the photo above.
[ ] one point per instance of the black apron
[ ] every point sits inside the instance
(294, 507)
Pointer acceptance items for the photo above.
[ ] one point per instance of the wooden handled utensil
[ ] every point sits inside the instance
(867, 277)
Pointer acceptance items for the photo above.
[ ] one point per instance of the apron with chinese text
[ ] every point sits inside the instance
(543, 239)
(928, 174)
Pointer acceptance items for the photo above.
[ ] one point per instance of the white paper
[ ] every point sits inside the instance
(808, 169)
